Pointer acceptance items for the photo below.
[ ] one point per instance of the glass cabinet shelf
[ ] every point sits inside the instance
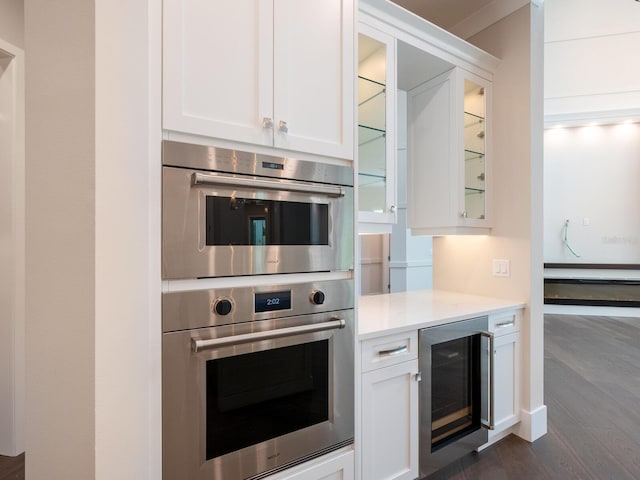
(368, 135)
(376, 93)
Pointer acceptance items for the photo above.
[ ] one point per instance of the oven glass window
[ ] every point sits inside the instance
(259, 396)
(455, 390)
(245, 221)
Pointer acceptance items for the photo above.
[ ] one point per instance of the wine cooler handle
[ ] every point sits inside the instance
(490, 424)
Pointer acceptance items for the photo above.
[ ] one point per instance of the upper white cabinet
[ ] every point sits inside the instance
(449, 170)
(277, 73)
(448, 84)
(376, 131)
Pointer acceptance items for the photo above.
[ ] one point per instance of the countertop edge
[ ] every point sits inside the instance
(500, 306)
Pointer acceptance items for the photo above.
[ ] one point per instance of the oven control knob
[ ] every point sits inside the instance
(317, 297)
(223, 306)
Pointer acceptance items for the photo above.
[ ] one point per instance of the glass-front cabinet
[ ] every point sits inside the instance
(376, 131)
(449, 169)
(475, 205)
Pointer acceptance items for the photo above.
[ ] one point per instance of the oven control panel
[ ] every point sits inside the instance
(223, 306)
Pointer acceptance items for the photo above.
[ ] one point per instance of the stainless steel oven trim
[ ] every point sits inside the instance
(202, 157)
(184, 401)
(195, 309)
(185, 255)
(430, 462)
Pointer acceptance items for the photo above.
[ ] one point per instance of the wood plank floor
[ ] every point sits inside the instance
(592, 391)
(12, 468)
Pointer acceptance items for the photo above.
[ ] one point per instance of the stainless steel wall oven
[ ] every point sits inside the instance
(256, 379)
(227, 213)
(455, 391)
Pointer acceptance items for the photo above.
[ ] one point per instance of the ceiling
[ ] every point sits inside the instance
(444, 13)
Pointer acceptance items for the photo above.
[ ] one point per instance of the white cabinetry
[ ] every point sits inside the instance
(277, 73)
(390, 407)
(329, 467)
(376, 130)
(506, 361)
(449, 170)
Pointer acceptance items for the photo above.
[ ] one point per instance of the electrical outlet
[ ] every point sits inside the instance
(501, 268)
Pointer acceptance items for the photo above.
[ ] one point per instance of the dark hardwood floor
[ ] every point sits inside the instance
(12, 468)
(592, 393)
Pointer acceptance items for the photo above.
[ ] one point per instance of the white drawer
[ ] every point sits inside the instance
(389, 350)
(504, 323)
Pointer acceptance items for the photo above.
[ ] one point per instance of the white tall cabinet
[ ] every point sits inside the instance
(275, 73)
(390, 407)
(506, 360)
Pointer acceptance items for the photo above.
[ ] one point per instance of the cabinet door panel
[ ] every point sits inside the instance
(329, 467)
(313, 51)
(390, 423)
(218, 68)
(506, 359)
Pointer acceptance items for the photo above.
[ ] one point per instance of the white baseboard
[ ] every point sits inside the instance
(533, 424)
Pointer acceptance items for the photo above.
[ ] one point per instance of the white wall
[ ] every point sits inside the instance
(128, 329)
(93, 256)
(592, 66)
(592, 59)
(592, 175)
(12, 22)
(463, 263)
(11, 228)
(60, 242)
(12, 261)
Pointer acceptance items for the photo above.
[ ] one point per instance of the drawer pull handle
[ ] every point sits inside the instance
(510, 323)
(393, 351)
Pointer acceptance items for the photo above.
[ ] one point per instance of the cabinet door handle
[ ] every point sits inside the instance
(418, 377)
(267, 122)
(282, 126)
(464, 214)
(392, 208)
(510, 323)
(393, 351)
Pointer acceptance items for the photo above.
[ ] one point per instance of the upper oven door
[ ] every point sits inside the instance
(218, 224)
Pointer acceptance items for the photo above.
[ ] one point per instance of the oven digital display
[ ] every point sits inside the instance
(273, 165)
(267, 302)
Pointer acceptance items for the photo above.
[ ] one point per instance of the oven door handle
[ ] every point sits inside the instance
(490, 424)
(211, 179)
(201, 345)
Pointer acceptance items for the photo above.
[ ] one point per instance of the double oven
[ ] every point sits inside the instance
(257, 375)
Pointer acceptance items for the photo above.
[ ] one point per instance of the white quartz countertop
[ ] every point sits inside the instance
(399, 312)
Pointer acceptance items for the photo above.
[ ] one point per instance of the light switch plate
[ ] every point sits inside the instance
(501, 268)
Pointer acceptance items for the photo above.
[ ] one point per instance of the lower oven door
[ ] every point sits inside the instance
(243, 400)
(454, 392)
